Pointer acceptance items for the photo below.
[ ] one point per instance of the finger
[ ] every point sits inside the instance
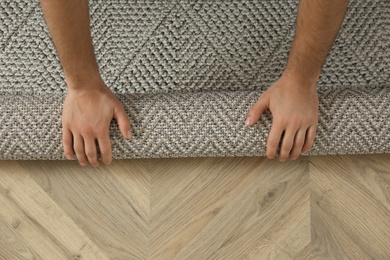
(105, 148)
(79, 149)
(287, 144)
(67, 142)
(123, 121)
(299, 141)
(256, 110)
(90, 150)
(310, 136)
(274, 139)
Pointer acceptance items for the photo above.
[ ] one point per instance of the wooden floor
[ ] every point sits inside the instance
(318, 207)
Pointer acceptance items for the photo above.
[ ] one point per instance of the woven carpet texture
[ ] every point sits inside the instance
(188, 72)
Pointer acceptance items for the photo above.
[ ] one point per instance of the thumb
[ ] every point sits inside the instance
(256, 110)
(123, 121)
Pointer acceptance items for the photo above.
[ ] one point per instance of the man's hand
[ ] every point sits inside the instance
(293, 99)
(294, 108)
(87, 113)
(89, 105)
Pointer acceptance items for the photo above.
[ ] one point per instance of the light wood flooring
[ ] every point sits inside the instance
(317, 207)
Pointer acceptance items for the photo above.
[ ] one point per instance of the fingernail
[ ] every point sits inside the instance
(248, 120)
(129, 134)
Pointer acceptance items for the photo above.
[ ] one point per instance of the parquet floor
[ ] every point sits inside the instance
(317, 207)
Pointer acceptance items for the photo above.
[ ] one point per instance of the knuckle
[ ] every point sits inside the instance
(307, 123)
(295, 122)
(307, 147)
(107, 160)
(66, 141)
(90, 154)
(270, 154)
(68, 155)
(117, 102)
(67, 126)
(280, 121)
(294, 154)
(313, 120)
(299, 142)
(78, 150)
(118, 105)
(283, 154)
(105, 152)
(273, 143)
(67, 149)
(101, 131)
(286, 148)
(65, 123)
(263, 95)
(86, 130)
(309, 143)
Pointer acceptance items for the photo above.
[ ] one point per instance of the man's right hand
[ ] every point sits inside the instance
(89, 105)
(87, 114)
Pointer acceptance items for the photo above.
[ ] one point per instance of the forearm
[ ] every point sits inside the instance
(69, 25)
(318, 23)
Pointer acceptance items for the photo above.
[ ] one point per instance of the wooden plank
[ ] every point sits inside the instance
(110, 203)
(229, 208)
(322, 207)
(12, 245)
(42, 224)
(350, 202)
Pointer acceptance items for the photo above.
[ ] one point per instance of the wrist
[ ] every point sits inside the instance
(83, 80)
(301, 78)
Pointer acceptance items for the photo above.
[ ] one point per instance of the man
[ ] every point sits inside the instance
(90, 105)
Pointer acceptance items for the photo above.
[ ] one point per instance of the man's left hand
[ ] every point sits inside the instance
(294, 107)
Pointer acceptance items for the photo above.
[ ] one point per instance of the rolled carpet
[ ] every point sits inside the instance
(187, 74)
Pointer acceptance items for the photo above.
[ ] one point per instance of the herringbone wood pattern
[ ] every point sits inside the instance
(318, 207)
